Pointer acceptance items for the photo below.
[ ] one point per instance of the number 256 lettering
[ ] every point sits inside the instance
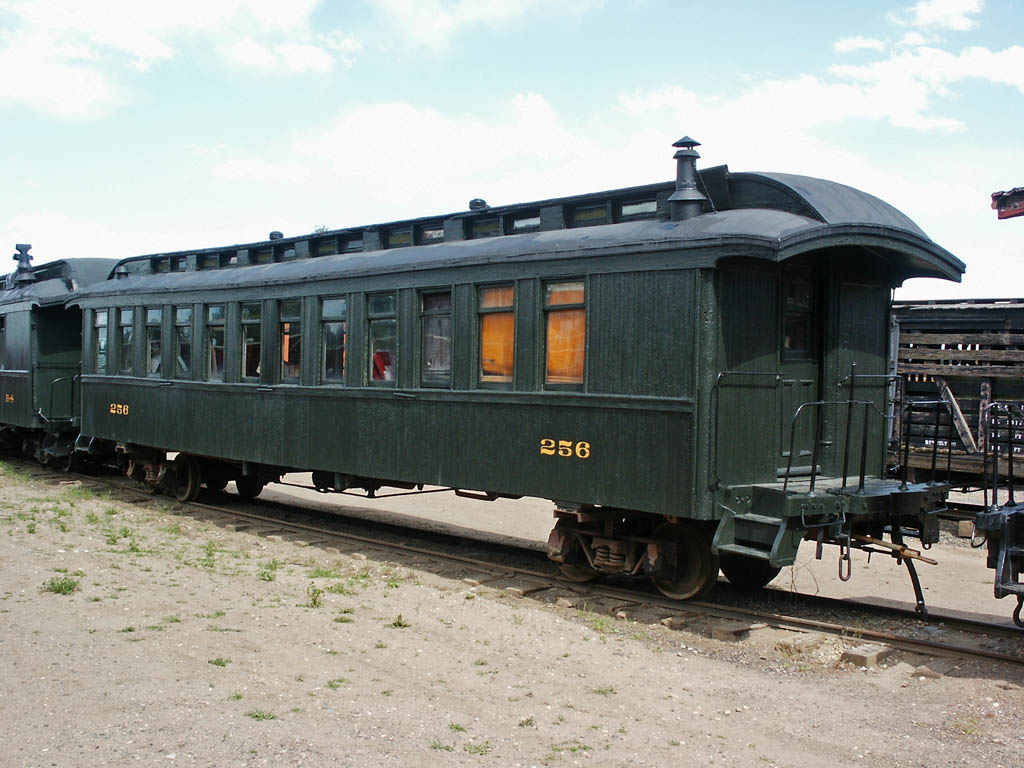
(564, 448)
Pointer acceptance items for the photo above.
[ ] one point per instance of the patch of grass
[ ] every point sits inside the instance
(456, 727)
(220, 661)
(31, 527)
(394, 582)
(210, 551)
(81, 493)
(571, 746)
(336, 683)
(343, 619)
(316, 596)
(441, 747)
(339, 589)
(324, 573)
(387, 692)
(260, 714)
(172, 530)
(268, 571)
(60, 585)
(528, 722)
(92, 518)
(129, 628)
(380, 644)
(477, 747)
(214, 615)
(606, 691)
(399, 623)
(235, 697)
(480, 663)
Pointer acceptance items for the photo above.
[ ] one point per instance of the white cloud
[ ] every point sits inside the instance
(433, 23)
(55, 235)
(850, 44)
(282, 58)
(954, 15)
(72, 59)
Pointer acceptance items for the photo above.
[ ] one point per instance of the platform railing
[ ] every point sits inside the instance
(943, 424)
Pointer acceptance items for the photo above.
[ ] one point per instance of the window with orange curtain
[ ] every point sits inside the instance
(291, 341)
(497, 333)
(566, 343)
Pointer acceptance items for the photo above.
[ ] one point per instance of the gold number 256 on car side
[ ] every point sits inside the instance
(564, 448)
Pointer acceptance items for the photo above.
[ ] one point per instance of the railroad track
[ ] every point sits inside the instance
(531, 576)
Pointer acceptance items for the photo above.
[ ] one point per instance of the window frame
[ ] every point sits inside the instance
(3, 342)
(333, 319)
(179, 324)
(209, 325)
(478, 376)
(810, 353)
(101, 341)
(429, 378)
(547, 311)
(158, 325)
(242, 324)
(126, 362)
(291, 320)
(378, 317)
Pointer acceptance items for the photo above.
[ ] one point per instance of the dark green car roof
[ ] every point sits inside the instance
(771, 216)
(55, 281)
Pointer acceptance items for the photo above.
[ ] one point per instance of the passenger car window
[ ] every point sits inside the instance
(99, 329)
(383, 337)
(183, 342)
(566, 339)
(252, 324)
(154, 317)
(333, 313)
(215, 342)
(125, 340)
(797, 312)
(291, 340)
(436, 337)
(497, 333)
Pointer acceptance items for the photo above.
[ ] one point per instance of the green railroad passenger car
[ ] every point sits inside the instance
(40, 355)
(636, 356)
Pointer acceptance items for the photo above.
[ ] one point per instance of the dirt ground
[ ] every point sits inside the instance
(133, 634)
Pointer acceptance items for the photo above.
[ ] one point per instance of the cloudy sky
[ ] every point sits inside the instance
(134, 128)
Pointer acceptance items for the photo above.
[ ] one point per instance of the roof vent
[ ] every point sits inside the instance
(478, 204)
(120, 272)
(275, 235)
(686, 202)
(24, 274)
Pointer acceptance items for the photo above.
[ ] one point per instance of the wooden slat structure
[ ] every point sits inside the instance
(966, 353)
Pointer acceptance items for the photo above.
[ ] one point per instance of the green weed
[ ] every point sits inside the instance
(316, 596)
(268, 571)
(324, 573)
(61, 585)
